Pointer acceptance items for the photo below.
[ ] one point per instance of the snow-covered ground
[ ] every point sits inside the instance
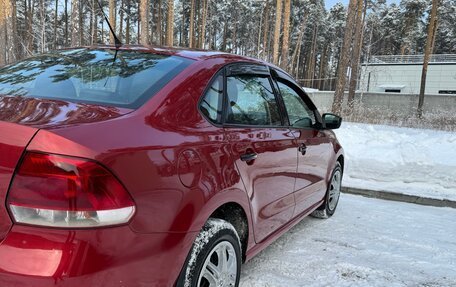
(368, 242)
(412, 161)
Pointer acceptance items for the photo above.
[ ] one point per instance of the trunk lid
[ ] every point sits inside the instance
(48, 114)
(13, 140)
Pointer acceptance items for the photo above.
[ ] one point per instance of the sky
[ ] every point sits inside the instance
(331, 3)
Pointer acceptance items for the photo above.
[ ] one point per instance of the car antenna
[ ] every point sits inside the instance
(118, 43)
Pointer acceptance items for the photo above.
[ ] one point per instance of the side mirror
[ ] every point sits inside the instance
(331, 121)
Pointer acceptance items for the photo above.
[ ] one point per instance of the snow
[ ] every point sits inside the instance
(368, 242)
(212, 226)
(411, 161)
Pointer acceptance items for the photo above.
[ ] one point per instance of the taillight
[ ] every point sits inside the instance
(59, 191)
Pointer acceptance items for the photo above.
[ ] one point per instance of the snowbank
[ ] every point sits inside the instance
(412, 161)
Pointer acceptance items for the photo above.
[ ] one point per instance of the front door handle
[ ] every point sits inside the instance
(302, 148)
(249, 156)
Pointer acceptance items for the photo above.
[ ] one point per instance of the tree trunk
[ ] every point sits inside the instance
(311, 62)
(159, 23)
(427, 54)
(299, 43)
(344, 58)
(75, 39)
(278, 21)
(191, 36)
(225, 36)
(144, 15)
(29, 24)
(121, 22)
(154, 23)
(258, 47)
(81, 23)
(323, 65)
(266, 30)
(43, 27)
(286, 34)
(112, 20)
(182, 30)
(66, 23)
(138, 24)
(202, 35)
(170, 24)
(234, 35)
(94, 39)
(56, 14)
(8, 32)
(198, 22)
(357, 45)
(127, 24)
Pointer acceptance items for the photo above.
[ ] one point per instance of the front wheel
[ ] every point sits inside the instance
(215, 258)
(329, 206)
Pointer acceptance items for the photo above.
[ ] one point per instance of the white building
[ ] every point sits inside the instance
(402, 74)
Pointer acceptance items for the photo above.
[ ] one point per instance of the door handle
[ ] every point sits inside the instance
(302, 148)
(249, 156)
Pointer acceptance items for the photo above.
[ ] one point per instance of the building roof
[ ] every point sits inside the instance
(412, 59)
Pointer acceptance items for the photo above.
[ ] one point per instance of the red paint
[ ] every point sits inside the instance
(13, 139)
(178, 169)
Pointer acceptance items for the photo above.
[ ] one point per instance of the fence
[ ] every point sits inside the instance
(439, 111)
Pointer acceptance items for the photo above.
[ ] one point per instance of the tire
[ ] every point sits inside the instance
(218, 238)
(329, 206)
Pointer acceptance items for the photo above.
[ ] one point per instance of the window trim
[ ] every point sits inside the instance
(274, 76)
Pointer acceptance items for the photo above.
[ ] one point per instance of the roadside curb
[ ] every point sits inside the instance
(400, 197)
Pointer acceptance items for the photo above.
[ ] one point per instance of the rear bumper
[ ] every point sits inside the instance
(36, 257)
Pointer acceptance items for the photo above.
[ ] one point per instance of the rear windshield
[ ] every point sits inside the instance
(123, 79)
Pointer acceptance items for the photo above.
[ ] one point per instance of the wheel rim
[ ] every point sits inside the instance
(220, 267)
(334, 190)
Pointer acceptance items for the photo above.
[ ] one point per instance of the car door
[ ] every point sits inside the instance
(263, 149)
(313, 145)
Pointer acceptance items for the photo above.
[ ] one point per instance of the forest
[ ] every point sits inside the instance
(301, 36)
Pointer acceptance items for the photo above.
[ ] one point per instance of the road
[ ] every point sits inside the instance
(368, 242)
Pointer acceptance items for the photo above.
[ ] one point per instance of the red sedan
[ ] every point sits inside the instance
(139, 166)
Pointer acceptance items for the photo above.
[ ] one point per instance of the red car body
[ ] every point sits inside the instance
(178, 168)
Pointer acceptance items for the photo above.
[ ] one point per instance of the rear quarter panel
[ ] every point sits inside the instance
(13, 140)
(174, 163)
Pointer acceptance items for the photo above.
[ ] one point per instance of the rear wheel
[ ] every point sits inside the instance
(329, 206)
(215, 258)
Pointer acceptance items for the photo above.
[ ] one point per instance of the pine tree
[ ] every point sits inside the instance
(286, 34)
(75, 21)
(344, 58)
(8, 32)
(357, 43)
(170, 24)
(112, 19)
(427, 53)
(278, 21)
(145, 19)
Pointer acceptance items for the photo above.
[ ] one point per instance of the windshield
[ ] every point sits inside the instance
(123, 79)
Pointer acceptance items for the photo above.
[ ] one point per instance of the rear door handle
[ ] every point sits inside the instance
(302, 148)
(249, 156)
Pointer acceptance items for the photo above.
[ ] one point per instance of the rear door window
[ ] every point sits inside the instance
(115, 78)
(251, 101)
